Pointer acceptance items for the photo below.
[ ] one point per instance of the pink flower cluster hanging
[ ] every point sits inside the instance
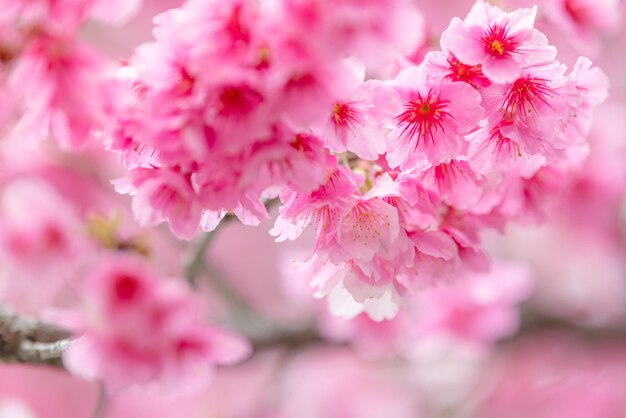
(397, 166)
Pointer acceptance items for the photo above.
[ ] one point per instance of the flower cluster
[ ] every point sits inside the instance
(53, 83)
(397, 165)
(221, 107)
(139, 328)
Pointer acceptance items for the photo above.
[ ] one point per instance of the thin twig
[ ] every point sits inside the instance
(195, 263)
(102, 402)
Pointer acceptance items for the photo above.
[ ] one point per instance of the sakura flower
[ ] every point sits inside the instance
(333, 378)
(369, 227)
(502, 43)
(352, 124)
(350, 292)
(64, 17)
(352, 28)
(593, 85)
(441, 65)
(590, 81)
(418, 207)
(42, 245)
(536, 109)
(286, 157)
(163, 194)
(322, 207)
(141, 328)
(581, 23)
(370, 252)
(51, 78)
(430, 118)
(491, 150)
(482, 308)
(455, 181)
(436, 259)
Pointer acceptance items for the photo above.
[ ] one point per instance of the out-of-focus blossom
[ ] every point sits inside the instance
(42, 246)
(555, 375)
(335, 377)
(140, 328)
(502, 43)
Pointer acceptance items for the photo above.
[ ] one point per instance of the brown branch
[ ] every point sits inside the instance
(291, 339)
(25, 340)
(533, 322)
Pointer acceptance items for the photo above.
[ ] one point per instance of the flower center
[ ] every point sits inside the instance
(525, 94)
(498, 43)
(126, 287)
(343, 114)
(237, 100)
(422, 115)
(497, 47)
(471, 74)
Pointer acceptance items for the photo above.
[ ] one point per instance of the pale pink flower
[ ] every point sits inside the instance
(349, 292)
(368, 253)
(464, 229)
(64, 17)
(322, 207)
(333, 383)
(338, 29)
(418, 207)
(42, 245)
(437, 258)
(369, 227)
(583, 24)
(531, 198)
(481, 308)
(555, 374)
(502, 43)
(593, 86)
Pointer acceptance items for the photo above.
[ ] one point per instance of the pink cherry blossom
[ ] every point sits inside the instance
(482, 309)
(51, 78)
(321, 208)
(42, 245)
(163, 194)
(352, 124)
(455, 181)
(413, 168)
(446, 66)
(429, 118)
(142, 328)
(502, 43)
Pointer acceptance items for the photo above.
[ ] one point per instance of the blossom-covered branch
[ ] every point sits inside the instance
(393, 155)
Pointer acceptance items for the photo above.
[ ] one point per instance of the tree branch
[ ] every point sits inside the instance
(25, 340)
(195, 264)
